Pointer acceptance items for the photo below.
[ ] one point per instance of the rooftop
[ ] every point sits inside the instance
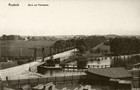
(116, 73)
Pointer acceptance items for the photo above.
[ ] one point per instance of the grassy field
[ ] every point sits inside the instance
(16, 48)
(102, 47)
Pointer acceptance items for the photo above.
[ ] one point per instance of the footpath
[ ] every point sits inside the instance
(20, 70)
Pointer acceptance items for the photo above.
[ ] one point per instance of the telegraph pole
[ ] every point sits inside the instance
(1, 87)
(43, 54)
(35, 52)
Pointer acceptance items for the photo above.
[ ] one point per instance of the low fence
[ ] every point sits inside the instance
(69, 66)
(35, 81)
(4, 65)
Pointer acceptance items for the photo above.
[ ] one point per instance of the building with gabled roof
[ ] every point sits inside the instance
(116, 77)
(114, 73)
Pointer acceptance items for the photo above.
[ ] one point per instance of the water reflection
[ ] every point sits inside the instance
(70, 72)
(100, 62)
(80, 64)
(97, 63)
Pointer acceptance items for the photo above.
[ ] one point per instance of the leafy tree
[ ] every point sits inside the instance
(81, 49)
(98, 50)
(124, 45)
(4, 37)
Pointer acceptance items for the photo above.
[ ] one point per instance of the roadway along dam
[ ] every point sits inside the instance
(20, 71)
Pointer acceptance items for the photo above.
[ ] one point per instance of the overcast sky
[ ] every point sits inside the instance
(70, 17)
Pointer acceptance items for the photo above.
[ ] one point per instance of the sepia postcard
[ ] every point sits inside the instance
(69, 44)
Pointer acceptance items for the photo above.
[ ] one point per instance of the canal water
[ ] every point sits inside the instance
(70, 72)
(102, 62)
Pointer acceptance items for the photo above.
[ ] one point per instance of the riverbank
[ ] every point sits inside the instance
(18, 70)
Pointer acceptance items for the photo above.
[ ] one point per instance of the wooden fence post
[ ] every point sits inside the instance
(28, 81)
(72, 80)
(139, 78)
(64, 78)
(37, 80)
(1, 86)
(55, 79)
(18, 82)
(46, 79)
(73, 67)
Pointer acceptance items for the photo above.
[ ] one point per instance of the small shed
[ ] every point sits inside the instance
(39, 87)
(26, 87)
(86, 87)
(34, 68)
(48, 86)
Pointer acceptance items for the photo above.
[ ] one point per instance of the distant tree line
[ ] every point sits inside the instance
(61, 46)
(88, 43)
(124, 45)
(10, 37)
(125, 62)
(82, 44)
(119, 62)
